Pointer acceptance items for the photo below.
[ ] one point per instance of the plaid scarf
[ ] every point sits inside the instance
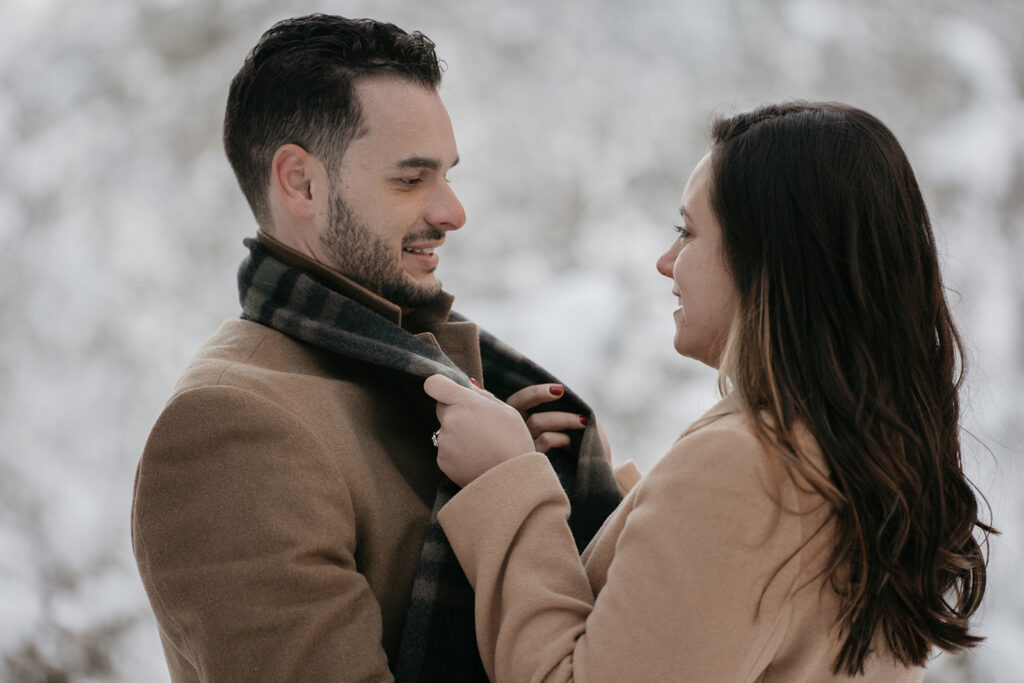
(439, 641)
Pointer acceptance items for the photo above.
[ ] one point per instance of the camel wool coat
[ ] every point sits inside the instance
(281, 501)
(709, 570)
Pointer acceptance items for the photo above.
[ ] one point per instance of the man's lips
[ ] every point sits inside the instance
(423, 254)
(422, 244)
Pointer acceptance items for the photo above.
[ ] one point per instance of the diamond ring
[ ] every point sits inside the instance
(433, 437)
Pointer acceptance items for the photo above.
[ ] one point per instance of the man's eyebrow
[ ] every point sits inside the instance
(424, 162)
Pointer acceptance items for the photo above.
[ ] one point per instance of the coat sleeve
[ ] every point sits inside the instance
(695, 591)
(627, 475)
(245, 539)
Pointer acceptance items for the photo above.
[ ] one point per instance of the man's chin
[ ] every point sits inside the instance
(411, 294)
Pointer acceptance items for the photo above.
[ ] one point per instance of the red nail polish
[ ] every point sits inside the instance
(475, 383)
(584, 419)
(556, 390)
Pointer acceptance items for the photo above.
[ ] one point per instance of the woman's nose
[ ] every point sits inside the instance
(668, 259)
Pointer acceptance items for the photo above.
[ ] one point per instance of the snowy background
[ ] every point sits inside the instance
(578, 123)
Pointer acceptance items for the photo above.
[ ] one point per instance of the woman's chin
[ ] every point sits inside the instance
(703, 356)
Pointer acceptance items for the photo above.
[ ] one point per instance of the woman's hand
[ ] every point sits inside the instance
(478, 431)
(546, 428)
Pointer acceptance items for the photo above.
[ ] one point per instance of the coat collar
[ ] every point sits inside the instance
(458, 339)
(424, 317)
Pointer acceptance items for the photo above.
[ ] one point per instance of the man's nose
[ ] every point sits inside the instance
(446, 212)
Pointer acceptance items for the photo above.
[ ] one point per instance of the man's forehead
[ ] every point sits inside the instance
(384, 97)
(404, 125)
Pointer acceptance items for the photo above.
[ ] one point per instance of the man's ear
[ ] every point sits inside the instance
(298, 179)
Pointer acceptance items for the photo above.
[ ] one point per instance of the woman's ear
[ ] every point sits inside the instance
(298, 179)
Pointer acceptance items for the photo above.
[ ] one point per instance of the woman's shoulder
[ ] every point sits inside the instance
(723, 433)
(725, 449)
(726, 487)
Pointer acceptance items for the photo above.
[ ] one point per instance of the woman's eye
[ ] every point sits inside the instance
(683, 232)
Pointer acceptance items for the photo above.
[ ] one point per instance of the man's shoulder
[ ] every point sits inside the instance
(253, 357)
(242, 343)
(248, 375)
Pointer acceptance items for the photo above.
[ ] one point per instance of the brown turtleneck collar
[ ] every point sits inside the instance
(460, 341)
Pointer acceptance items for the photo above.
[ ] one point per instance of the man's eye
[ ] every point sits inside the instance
(411, 181)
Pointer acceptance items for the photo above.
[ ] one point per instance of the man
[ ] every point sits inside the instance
(284, 518)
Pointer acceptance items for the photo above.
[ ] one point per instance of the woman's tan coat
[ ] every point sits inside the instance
(709, 570)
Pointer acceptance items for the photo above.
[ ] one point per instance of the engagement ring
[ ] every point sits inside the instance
(433, 437)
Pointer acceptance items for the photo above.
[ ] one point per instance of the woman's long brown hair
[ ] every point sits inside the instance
(843, 326)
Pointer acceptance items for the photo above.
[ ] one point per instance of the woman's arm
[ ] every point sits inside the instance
(695, 591)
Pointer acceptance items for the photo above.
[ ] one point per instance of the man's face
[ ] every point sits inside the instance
(392, 206)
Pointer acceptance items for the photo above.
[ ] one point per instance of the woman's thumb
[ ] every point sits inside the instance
(443, 390)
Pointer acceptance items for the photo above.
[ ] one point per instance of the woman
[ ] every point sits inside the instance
(814, 525)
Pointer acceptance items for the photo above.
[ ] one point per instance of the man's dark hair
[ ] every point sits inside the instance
(297, 86)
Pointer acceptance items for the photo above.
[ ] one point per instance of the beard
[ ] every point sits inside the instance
(361, 255)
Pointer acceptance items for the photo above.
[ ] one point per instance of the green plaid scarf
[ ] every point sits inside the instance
(439, 641)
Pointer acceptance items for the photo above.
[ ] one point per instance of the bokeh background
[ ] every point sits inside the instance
(578, 123)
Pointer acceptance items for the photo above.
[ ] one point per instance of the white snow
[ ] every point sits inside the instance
(577, 123)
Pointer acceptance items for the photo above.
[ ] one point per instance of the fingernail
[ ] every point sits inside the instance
(475, 383)
(584, 419)
(556, 389)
